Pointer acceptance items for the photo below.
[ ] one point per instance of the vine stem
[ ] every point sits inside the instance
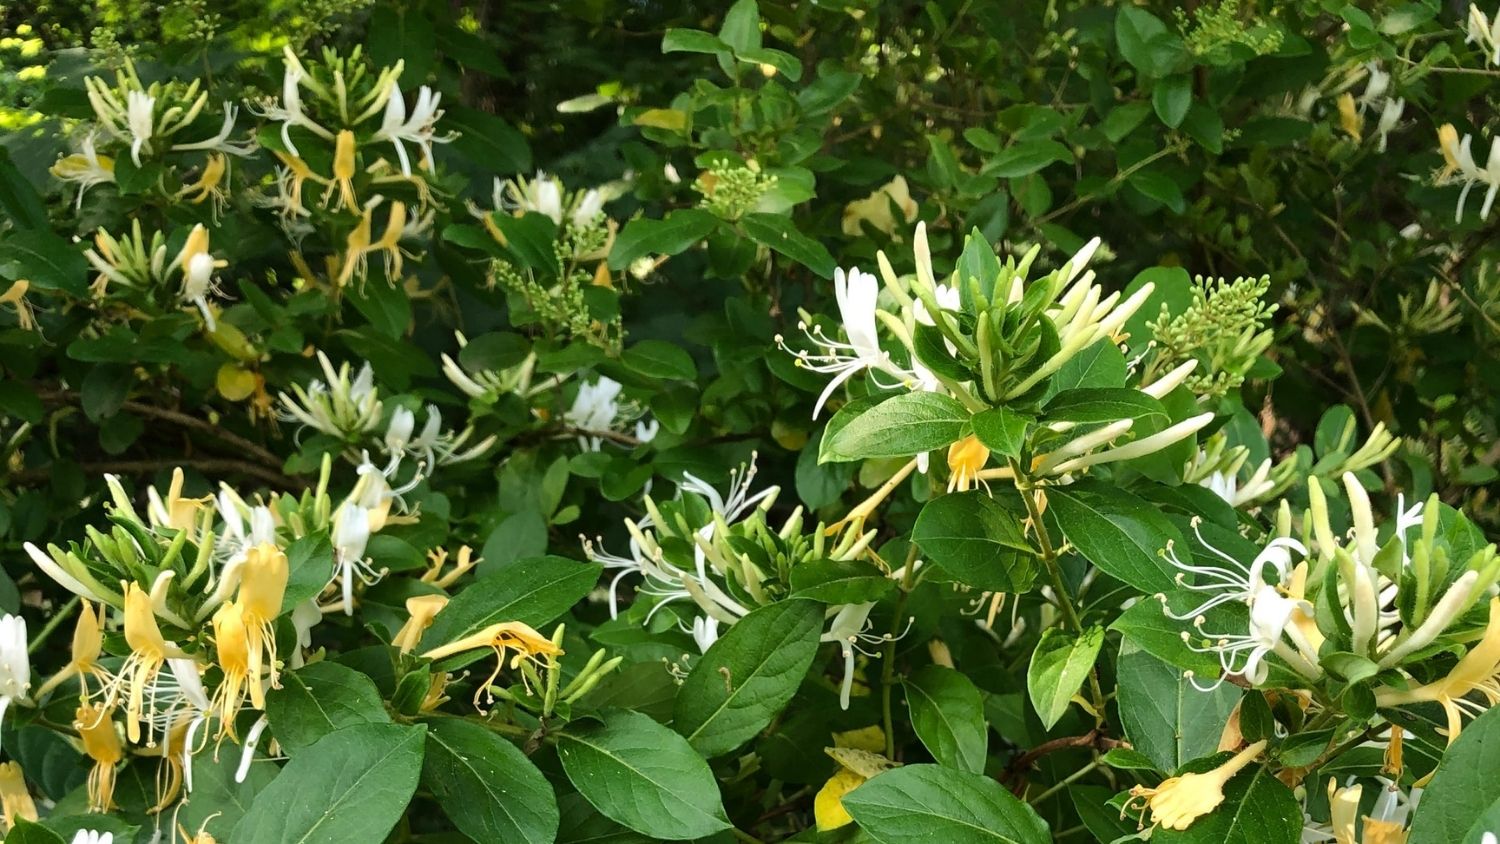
(1064, 598)
(52, 624)
(888, 670)
(1064, 783)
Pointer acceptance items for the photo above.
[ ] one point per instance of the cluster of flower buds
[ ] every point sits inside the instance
(718, 552)
(136, 269)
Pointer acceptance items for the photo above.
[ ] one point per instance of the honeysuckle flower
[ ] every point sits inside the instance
(1378, 83)
(232, 649)
(247, 750)
(96, 730)
(1179, 801)
(1480, 31)
(1234, 582)
(857, 294)
(341, 406)
(263, 578)
(220, 142)
(1349, 118)
(15, 798)
(1272, 617)
(88, 642)
(1052, 464)
(140, 120)
(597, 412)
(69, 572)
(1387, 821)
(705, 631)
(420, 610)
(351, 533)
(521, 640)
(180, 706)
(175, 511)
(1390, 116)
(86, 168)
(289, 111)
(344, 165)
(417, 128)
(1459, 166)
(149, 652)
(965, 458)
(1478, 672)
(15, 664)
(89, 836)
(875, 209)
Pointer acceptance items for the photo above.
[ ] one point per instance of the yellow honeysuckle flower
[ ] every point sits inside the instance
(1448, 146)
(296, 173)
(233, 647)
(96, 729)
(875, 209)
(262, 586)
(175, 511)
(15, 799)
(965, 458)
(1478, 671)
(88, 640)
(421, 610)
(1343, 808)
(1179, 801)
(149, 651)
(209, 182)
(356, 251)
(343, 168)
(504, 636)
(390, 242)
(1349, 119)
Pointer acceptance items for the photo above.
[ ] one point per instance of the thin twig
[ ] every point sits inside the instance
(207, 465)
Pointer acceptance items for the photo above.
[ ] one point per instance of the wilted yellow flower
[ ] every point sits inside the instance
(1179, 801)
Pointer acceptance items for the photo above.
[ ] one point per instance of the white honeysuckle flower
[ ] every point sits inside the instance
(1459, 157)
(140, 120)
(1137, 448)
(1481, 31)
(86, 168)
(1226, 484)
(705, 632)
(1234, 582)
(174, 697)
(1272, 616)
(89, 836)
(1390, 116)
(597, 412)
(288, 112)
(1379, 82)
(220, 142)
(647, 429)
(542, 194)
(857, 294)
(587, 207)
(418, 128)
(15, 662)
(197, 283)
(847, 629)
(351, 535)
(247, 751)
(305, 616)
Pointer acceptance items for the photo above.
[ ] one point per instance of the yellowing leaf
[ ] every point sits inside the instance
(670, 119)
(234, 383)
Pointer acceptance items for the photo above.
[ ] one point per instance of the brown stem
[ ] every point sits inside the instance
(207, 465)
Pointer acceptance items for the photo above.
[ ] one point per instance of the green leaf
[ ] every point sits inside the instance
(1059, 665)
(840, 581)
(741, 27)
(1165, 717)
(27, 832)
(785, 63)
(533, 591)
(947, 714)
(317, 699)
(45, 260)
(486, 785)
(1122, 120)
(1104, 404)
(901, 426)
(976, 540)
(691, 41)
(1002, 430)
(1146, 43)
(1257, 809)
(780, 234)
(1464, 797)
(748, 675)
(352, 785)
(487, 141)
(644, 776)
(660, 359)
(19, 200)
(932, 803)
(667, 236)
(1171, 98)
(1116, 531)
(309, 562)
(1026, 158)
(220, 799)
(385, 306)
(530, 239)
(1152, 631)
